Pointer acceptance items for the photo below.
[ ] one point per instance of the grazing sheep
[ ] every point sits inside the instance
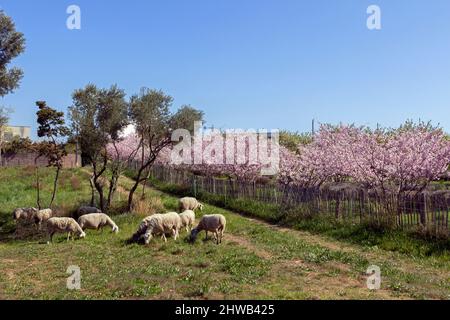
(136, 237)
(213, 223)
(158, 224)
(87, 210)
(97, 221)
(24, 214)
(42, 216)
(169, 223)
(63, 225)
(187, 219)
(189, 204)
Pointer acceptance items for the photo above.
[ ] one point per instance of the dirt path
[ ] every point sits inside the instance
(335, 280)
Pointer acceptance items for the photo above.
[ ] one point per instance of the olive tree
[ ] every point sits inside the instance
(98, 118)
(154, 122)
(12, 44)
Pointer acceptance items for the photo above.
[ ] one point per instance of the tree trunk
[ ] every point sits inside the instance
(423, 211)
(91, 182)
(133, 189)
(131, 194)
(1, 150)
(100, 194)
(38, 189)
(55, 185)
(138, 181)
(112, 190)
(147, 177)
(96, 176)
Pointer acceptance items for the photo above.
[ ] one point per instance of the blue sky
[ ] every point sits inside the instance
(247, 63)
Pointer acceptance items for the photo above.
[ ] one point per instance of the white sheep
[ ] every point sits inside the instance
(189, 204)
(158, 224)
(87, 210)
(169, 223)
(215, 223)
(42, 216)
(24, 214)
(97, 221)
(187, 219)
(62, 225)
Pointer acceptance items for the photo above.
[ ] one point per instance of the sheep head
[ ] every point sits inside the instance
(193, 236)
(17, 213)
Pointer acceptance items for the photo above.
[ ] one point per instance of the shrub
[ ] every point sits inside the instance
(148, 206)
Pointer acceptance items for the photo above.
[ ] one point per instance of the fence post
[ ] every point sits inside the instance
(195, 186)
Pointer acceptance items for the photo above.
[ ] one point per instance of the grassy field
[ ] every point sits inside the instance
(256, 261)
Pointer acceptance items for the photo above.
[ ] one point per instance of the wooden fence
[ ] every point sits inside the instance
(429, 211)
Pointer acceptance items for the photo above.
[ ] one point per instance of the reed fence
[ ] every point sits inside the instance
(429, 211)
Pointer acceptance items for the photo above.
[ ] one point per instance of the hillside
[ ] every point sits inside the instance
(256, 261)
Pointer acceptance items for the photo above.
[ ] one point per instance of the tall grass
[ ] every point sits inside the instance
(17, 190)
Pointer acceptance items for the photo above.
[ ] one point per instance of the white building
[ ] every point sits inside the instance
(11, 132)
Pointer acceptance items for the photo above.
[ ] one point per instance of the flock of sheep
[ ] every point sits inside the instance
(154, 225)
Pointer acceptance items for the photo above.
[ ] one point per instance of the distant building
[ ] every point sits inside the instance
(11, 132)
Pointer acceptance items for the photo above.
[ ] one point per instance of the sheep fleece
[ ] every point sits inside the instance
(95, 221)
(63, 225)
(188, 204)
(187, 218)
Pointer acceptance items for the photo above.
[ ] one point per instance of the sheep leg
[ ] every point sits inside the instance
(68, 236)
(206, 237)
(148, 238)
(216, 235)
(164, 237)
(51, 236)
(220, 236)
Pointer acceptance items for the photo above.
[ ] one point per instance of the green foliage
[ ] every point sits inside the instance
(185, 118)
(292, 140)
(150, 113)
(12, 44)
(51, 122)
(4, 117)
(112, 116)
(98, 117)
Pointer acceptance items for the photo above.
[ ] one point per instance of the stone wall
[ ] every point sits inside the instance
(25, 159)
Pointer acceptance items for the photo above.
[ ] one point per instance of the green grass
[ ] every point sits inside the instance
(17, 189)
(256, 260)
(412, 243)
